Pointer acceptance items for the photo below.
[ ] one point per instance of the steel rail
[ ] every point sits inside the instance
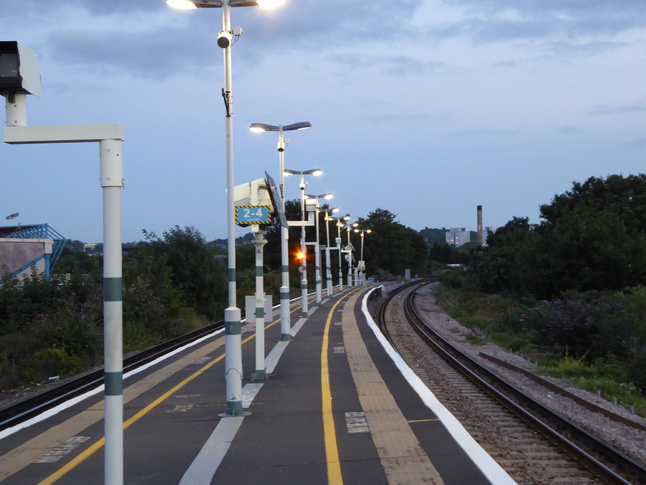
(34, 405)
(520, 403)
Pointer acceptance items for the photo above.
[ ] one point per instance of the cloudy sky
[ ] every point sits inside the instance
(425, 108)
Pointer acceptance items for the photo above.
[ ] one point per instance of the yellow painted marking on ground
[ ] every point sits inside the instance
(99, 444)
(334, 476)
(423, 420)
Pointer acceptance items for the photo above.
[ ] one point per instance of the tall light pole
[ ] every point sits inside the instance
(233, 328)
(361, 266)
(340, 224)
(349, 227)
(285, 322)
(317, 247)
(328, 266)
(316, 172)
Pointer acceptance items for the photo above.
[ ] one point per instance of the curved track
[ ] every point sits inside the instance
(527, 439)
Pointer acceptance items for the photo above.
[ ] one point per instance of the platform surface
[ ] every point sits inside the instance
(339, 406)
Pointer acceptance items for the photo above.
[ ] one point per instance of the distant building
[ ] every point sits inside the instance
(457, 236)
(29, 247)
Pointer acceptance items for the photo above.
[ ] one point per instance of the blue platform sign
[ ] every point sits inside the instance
(247, 215)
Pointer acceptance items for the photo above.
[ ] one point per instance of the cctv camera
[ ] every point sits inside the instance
(224, 38)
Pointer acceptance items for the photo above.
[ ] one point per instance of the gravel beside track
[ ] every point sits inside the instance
(625, 438)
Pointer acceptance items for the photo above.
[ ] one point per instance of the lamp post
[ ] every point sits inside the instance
(361, 266)
(233, 339)
(285, 322)
(340, 223)
(316, 172)
(317, 250)
(328, 266)
(350, 255)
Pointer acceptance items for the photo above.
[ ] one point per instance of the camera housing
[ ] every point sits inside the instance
(224, 38)
(19, 70)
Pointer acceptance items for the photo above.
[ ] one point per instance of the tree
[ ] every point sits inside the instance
(196, 271)
(392, 247)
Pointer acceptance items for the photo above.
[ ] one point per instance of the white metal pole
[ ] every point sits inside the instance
(317, 260)
(338, 247)
(304, 304)
(16, 110)
(349, 260)
(328, 271)
(260, 372)
(232, 317)
(362, 274)
(285, 319)
(111, 177)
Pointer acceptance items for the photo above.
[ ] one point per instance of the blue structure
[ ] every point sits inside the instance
(36, 231)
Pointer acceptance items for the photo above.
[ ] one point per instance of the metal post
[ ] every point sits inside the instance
(349, 260)
(317, 260)
(338, 247)
(328, 271)
(112, 181)
(304, 305)
(285, 319)
(260, 372)
(232, 317)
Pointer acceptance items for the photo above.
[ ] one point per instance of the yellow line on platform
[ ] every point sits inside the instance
(334, 476)
(99, 444)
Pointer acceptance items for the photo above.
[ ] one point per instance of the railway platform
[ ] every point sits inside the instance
(339, 406)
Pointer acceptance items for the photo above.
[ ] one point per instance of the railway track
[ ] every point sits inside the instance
(34, 405)
(533, 444)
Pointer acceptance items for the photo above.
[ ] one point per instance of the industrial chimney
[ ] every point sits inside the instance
(480, 241)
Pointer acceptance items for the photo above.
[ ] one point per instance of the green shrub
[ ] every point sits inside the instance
(51, 362)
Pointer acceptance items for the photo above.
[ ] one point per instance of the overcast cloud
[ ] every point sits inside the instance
(426, 108)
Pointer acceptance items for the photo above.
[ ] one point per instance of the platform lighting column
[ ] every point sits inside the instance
(350, 254)
(328, 266)
(339, 226)
(317, 248)
(232, 314)
(316, 172)
(285, 319)
(362, 233)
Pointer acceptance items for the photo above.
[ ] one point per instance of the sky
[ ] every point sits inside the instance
(424, 108)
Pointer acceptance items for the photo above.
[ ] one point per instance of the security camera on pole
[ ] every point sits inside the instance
(232, 315)
(20, 76)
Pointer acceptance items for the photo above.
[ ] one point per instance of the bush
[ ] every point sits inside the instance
(579, 328)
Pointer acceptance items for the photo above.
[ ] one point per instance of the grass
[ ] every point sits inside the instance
(497, 318)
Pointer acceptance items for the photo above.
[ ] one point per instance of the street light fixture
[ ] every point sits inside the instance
(340, 224)
(349, 227)
(232, 316)
(317, 250)
(285, 323)
(328, 270)
(315, 172)
(362, 265)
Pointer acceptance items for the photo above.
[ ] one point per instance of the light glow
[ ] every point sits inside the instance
(181, 4)
(317, 173)
(269, 4)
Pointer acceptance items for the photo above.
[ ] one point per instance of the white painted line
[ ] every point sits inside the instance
(489, 467)
(249, 392)
(61, 407)
(299, 324)
(212, 453)
(274, 356)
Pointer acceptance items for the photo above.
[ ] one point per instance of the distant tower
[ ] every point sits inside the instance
(480, 239)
